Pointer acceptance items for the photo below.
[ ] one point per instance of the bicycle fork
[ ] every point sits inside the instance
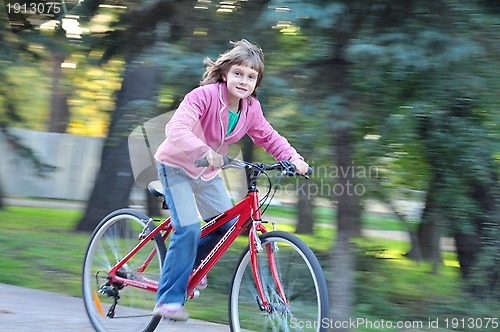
(256, 248)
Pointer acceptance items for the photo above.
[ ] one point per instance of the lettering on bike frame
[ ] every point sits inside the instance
(216, 248)
(138, 284)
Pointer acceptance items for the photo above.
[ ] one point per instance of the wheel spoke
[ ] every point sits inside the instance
(113, 239)
(306, 299)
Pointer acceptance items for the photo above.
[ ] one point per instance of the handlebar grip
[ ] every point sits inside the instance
(204, 163)
(201, 162)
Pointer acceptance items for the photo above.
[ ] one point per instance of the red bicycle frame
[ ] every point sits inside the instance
(248, 214)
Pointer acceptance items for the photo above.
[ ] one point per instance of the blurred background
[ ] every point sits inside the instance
(393, 103)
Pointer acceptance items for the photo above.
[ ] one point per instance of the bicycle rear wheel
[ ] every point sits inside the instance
(301, 278)
(116, 235)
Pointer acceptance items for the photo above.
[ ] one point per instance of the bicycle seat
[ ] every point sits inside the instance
(156, 188)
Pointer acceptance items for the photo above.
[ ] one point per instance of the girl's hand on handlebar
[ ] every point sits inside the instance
(214, 159)
(301, 166)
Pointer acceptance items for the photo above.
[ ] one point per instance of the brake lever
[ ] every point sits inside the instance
(288, 167)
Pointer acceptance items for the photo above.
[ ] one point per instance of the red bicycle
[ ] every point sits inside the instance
(278, 284)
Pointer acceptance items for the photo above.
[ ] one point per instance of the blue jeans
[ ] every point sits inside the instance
(186, 196)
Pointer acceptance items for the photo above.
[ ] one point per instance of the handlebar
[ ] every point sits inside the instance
(285, 166)
(254, 171)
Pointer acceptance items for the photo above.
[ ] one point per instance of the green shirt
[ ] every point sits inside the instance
(232, 121)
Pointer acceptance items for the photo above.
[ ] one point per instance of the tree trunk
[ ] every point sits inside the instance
(305, 206)
(341, 288)
(348, 214)
(59, 110)
(115, 179)
(429, 230)
(479, 253)
(467, 250)
(348, 205)
(429, 237)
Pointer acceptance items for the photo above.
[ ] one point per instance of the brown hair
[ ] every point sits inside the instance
(243, 53)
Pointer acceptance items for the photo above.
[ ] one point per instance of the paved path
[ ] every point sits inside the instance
(28, 310)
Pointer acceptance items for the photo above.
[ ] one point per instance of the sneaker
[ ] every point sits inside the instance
(172, 311)
(203, 283)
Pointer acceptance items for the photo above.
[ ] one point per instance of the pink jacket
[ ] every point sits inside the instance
(200, 124)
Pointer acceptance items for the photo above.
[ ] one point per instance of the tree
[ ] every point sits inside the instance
(381, 61)
(115, 179)
(464, 197)
(422, 78)
(329, 24)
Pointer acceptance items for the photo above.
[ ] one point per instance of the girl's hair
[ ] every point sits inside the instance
(243, 53)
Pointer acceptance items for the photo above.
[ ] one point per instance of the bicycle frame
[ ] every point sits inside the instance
(248, 216)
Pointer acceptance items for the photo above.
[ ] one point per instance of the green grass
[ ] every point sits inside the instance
(381, 222)
(393, 288)
(40, 250)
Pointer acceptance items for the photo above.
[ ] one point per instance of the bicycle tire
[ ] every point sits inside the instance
(303, 282)
(114, 237)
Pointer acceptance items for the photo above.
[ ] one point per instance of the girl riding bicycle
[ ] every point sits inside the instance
(211, 117)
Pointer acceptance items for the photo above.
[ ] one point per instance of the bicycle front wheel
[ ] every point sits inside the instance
(116, 235)
(292, 265)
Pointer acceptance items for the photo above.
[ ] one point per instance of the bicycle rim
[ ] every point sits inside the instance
(115, 237)
(302, 280)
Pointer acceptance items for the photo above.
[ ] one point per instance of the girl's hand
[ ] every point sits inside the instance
(301, 166)
(214, 159)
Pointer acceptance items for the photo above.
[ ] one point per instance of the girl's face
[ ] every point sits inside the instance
(241, 81)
